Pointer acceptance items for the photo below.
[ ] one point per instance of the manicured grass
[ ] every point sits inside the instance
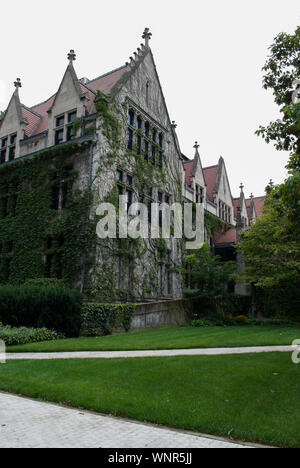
(172, 338)
(249, 397)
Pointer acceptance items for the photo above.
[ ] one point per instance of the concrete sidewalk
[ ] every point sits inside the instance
(27, 423)
(149, 353)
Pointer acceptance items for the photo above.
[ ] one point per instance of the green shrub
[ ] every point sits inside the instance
(272, 321)
(23, 335)
(52, 307)
(102, 319)
(206, 322)
(45, 282)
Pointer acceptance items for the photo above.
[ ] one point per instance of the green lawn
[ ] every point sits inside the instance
(249, 397)
(172, 338)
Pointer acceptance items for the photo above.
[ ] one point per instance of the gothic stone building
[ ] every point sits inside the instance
(103, 137)
(91, 141)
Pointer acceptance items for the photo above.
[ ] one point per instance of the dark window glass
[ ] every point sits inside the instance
(60, 121)
(3, 156)
(120, 189)
(146, 149)
(119, 175)
(129, 180)
(72, 116)
(154, 134)
(150, 193)
(153, 155)
(55, 197)
(70, 133)
(160, 219)
(147, 129)
(131, 117)
(160, 163)
(128, 199)
(160, 197)
(161, 140)
(138, 123)
(12, 153)
(167, 199)
(130, 139)
(13, 139)
(139, 144)
(149, 212)
(59, 137)
(4, 142)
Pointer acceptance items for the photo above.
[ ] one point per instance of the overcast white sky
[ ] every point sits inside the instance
(209, 56)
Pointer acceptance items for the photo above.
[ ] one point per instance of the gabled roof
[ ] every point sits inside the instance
(210, 176)
(236, 204)
(32, 118)
(259, 204)
(188, 165)
(37, 115)
(106, 82)
(228, 237)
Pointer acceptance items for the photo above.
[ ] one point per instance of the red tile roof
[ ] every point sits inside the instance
(236, 202)
(227, 237)
(32, 118)
(259, 204)
(103, 83)
(210, 175)
(188, 171)
(107, 81)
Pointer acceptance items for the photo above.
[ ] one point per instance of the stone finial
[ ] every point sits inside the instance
(174, 124)
(242, 186)
(196, 146)
(147, 36)
(251, 196)
(71, 56)
(17, 83)
(271, 183)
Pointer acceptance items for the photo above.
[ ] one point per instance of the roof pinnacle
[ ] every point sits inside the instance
(17, 83)
(147, 36)
(196, 146)
(71, 56)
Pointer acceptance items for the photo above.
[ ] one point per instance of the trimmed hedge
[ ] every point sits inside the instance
(102, 319)
(212, 321)
(52, 307)
(23, 335)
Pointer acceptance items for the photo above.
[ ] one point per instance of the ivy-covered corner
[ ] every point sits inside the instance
(43, 215)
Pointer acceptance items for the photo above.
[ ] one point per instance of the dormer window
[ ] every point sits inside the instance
(72, 116)
(64, 130)
(2, 156)
(13, 139)
(59, 136)
(3, 150)
(70, 133)
(12, 153)
(60, 121)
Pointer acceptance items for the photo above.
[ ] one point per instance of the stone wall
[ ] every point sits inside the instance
(159, 314)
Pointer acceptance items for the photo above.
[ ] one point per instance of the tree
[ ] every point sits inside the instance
(208, 279)
(271, 247)
(282, 71)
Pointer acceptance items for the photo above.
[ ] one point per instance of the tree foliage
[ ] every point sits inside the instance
(207, 278)
(271, 247)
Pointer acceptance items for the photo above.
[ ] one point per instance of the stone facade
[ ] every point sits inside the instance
(145, 128)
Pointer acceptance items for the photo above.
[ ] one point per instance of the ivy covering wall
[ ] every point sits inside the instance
(36, 238)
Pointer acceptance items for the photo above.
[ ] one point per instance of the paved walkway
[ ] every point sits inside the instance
(26, 423)
(149, 353)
